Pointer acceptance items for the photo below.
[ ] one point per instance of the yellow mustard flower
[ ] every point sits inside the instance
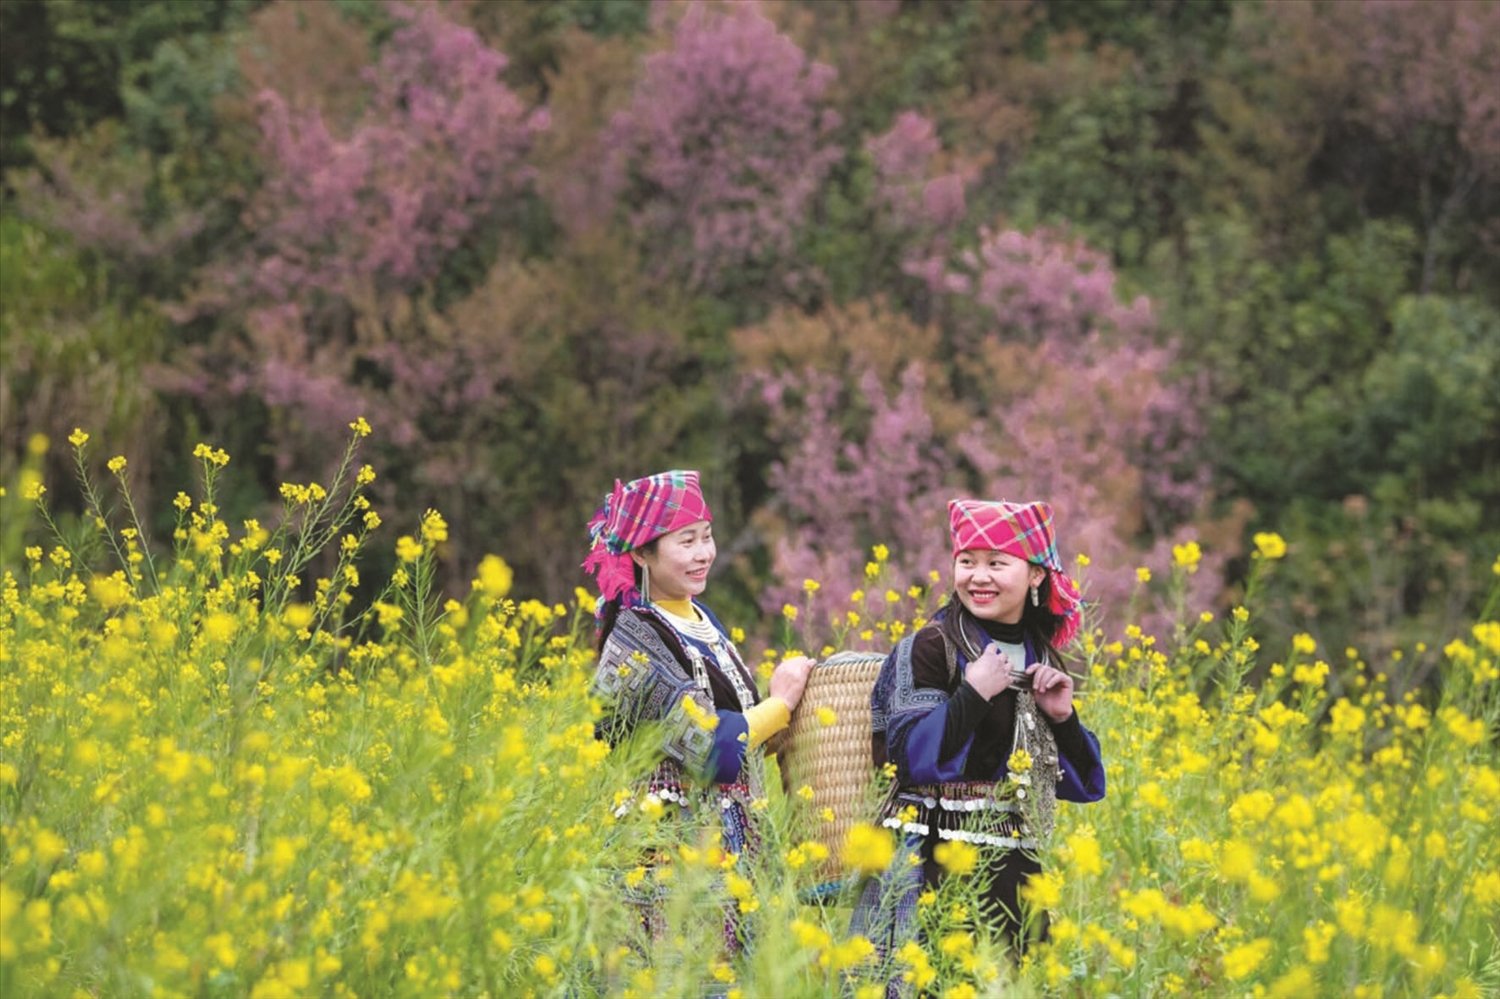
(956, 857)
(1269, 545)
(1187, 556)
(867, 849)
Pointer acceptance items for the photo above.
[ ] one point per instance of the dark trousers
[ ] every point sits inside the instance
(886, 910)
(1003, 872)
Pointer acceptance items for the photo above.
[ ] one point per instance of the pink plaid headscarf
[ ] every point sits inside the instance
(1025, 531)
(634, 514)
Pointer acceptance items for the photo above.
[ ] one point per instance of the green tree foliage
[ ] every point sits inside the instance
(1305, 198)
(70, 355)
(143, 161)
(535, 33)
(65, 66)
(1431, 405)
(563, 400)
(1283, 349)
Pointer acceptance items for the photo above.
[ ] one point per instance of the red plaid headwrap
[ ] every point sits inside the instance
(1025, 531)
(637, 513)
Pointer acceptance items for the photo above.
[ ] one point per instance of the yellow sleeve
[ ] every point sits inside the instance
(766, 719)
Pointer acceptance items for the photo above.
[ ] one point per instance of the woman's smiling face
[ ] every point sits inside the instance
(993, 585)
(679, 561)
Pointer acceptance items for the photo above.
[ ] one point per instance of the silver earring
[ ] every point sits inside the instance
(1035, 597)
(645, 585)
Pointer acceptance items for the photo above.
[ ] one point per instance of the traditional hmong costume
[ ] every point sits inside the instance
(682, 673)
(951, 748)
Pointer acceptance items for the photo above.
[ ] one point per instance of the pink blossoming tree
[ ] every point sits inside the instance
(439, 147)
(724, 144)
(349, 231)
(1057, 390)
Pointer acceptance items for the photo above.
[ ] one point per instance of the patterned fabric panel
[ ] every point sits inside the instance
(644, 509)
(640, 680)
(1034, 735)
(1021, 529)
(894, 691)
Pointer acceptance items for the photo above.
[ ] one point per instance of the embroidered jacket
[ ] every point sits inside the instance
(950, 747)
(649, 665)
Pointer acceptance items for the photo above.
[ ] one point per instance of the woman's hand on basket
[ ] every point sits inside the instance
(790, 679)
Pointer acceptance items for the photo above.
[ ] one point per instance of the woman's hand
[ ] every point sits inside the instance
(990, 673)
(790, 679)
(1052, 689)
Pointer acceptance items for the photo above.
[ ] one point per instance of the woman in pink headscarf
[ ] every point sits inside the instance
(976, 713)
(664, 658)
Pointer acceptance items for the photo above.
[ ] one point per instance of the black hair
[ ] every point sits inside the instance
(611, 612)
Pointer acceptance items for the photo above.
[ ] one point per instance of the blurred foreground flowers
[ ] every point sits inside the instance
(223, 773)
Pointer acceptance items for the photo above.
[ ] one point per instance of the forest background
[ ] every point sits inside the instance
(1188, 270)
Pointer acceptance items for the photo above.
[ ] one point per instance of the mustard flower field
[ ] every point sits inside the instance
(221, 774)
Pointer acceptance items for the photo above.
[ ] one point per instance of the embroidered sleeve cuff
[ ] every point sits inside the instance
(766, 719)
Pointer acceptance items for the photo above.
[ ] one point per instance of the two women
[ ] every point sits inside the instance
(973, 709)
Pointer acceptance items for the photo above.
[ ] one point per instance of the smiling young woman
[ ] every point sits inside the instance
(992, 585)
(665, 658)
(678, 563)
(976, 714)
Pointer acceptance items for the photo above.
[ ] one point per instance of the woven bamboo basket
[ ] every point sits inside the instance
(834, 760)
